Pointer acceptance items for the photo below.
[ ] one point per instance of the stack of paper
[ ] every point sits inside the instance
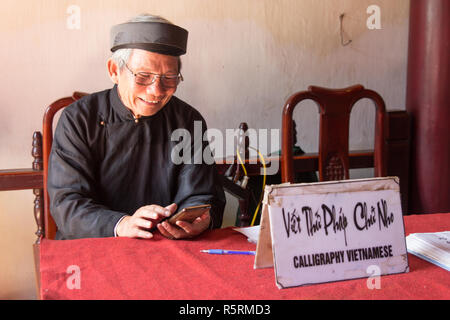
(433, 247)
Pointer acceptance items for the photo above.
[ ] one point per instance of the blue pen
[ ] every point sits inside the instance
(220, 251)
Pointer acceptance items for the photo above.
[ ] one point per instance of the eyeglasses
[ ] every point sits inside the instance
(148, 78)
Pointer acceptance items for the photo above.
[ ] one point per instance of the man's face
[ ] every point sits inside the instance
(146, 100)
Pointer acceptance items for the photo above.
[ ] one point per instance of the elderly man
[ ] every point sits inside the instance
(111, 171)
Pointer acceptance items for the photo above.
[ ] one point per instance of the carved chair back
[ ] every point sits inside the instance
(335, 106)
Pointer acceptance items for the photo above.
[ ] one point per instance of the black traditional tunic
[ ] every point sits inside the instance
(105, 163)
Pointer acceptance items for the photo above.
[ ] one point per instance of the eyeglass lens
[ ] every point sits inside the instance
(166, 81)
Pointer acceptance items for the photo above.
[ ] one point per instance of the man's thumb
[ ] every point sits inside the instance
(172, 207)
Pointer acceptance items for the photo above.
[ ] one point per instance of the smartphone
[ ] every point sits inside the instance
(189, 214)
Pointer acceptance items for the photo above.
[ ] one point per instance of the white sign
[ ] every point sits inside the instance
(332, 231)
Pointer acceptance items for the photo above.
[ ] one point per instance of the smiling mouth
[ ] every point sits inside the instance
(151, 101)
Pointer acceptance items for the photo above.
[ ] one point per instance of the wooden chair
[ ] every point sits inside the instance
(47, 223)
(42, 145)
(335, 106)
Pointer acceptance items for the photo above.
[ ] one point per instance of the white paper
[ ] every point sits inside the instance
(252, 233)
(433, 247)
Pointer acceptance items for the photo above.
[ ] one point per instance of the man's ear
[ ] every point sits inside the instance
(113, 70)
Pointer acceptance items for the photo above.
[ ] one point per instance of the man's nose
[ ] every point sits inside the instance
(155, 88)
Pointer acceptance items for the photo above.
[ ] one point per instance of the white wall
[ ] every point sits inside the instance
(245, 58)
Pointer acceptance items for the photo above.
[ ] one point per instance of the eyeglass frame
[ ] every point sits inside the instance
(179, 76)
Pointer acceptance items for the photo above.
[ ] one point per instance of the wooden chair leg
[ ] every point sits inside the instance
(245, 216)
(37, 270)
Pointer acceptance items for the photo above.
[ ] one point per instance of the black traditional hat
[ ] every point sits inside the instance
(157, 37)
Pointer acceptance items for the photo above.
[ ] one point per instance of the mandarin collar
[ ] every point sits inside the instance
(118, 105)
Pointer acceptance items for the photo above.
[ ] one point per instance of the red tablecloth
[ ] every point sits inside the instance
(120, 268)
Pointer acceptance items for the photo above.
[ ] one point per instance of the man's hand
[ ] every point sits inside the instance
(145, 218)
(184, 229)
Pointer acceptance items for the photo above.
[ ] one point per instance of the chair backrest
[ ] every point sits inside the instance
(47, 140)
(335, 106)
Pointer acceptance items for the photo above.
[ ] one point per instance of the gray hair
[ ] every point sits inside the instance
(121, 56)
